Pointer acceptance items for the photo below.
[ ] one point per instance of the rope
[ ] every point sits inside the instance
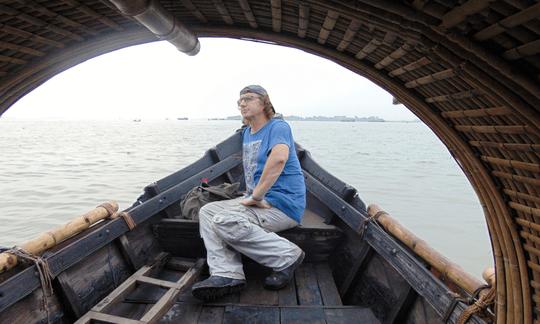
(45, 276)
(108, 207)
(480, 305)
(129, 221)
(363, 226)
(456, 299)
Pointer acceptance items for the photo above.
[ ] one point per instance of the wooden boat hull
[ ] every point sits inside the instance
(353, 270)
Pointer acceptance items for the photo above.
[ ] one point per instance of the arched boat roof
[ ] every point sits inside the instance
(469, 69)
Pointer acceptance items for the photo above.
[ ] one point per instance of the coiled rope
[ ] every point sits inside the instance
(45, 276)
(480, 305)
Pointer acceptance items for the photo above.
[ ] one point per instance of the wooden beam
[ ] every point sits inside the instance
(442, 75)
(529, 248)
(513, 164)
(395, 55)
(165, 302)
(410, 67)
(248, 13)
(372, 46)
(514, 177)
(483, 112)
(194, 11)
(535, 239)
(521, 195)
(91, 13)
(460, 13)
(389, 38)
(276, 15)
(455, 96)
(29, 36)
(532, 12)
(368, 49)
(12, 60)
(303, 19)
(106, 318)
(22, 49)
(525, 209)
(220, 6)
(54, 15)
(508, 146)
(353, 28)
(489, 129)
(328, 26)
(524, 50)
(38, 22)
(528, 224)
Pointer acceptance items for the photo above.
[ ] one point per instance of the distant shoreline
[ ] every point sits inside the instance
(318, 118)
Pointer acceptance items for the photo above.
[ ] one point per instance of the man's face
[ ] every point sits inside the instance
(250, 105)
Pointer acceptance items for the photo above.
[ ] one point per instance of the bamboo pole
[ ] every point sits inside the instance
(52, 238)
(438, 261)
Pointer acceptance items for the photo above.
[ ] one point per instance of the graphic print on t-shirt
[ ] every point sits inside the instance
(251, 152)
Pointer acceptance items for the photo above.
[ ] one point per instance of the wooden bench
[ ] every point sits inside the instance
(180, 237)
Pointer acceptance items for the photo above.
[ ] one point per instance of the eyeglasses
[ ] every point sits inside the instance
(246, 99)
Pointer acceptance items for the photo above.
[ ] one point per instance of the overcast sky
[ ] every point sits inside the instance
(155, 81)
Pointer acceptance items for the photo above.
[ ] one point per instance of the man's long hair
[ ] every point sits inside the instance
(268, 109)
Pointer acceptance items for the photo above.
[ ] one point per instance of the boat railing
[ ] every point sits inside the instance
(443, 268)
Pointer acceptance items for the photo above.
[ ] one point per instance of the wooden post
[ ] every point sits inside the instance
(49, 239)
(438, 261)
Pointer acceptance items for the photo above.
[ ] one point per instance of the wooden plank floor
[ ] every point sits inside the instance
(312, 297)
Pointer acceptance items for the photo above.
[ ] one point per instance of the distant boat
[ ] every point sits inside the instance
(182, 118)
(137, 120)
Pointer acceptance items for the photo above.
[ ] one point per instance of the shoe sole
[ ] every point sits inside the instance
(297, 263)
(213, 293)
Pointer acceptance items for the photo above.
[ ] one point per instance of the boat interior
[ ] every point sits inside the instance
(139, 266)
(469, 69)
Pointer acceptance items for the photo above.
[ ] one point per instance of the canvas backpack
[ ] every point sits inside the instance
(203, 194)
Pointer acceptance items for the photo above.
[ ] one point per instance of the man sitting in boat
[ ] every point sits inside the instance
(275, 201)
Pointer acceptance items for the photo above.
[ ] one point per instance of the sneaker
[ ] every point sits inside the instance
(216, 286)
(279, 279)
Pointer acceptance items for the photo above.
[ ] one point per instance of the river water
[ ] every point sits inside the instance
(53, 171)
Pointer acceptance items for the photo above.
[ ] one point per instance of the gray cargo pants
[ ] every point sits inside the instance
(229, 228)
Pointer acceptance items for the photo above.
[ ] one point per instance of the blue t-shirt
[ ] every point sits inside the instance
(288, 193)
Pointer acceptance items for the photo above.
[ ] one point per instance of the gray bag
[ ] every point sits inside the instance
(201, 195)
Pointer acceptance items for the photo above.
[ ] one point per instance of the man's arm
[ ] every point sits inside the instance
(271, 172)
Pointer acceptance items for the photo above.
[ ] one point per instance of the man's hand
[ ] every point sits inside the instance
(252, 202)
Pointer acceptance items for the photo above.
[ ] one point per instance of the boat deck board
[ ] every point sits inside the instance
(312, 296)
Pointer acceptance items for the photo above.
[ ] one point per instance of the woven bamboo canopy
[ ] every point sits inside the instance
(469, 69)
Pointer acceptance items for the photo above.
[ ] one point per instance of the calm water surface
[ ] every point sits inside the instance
(53, 171)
